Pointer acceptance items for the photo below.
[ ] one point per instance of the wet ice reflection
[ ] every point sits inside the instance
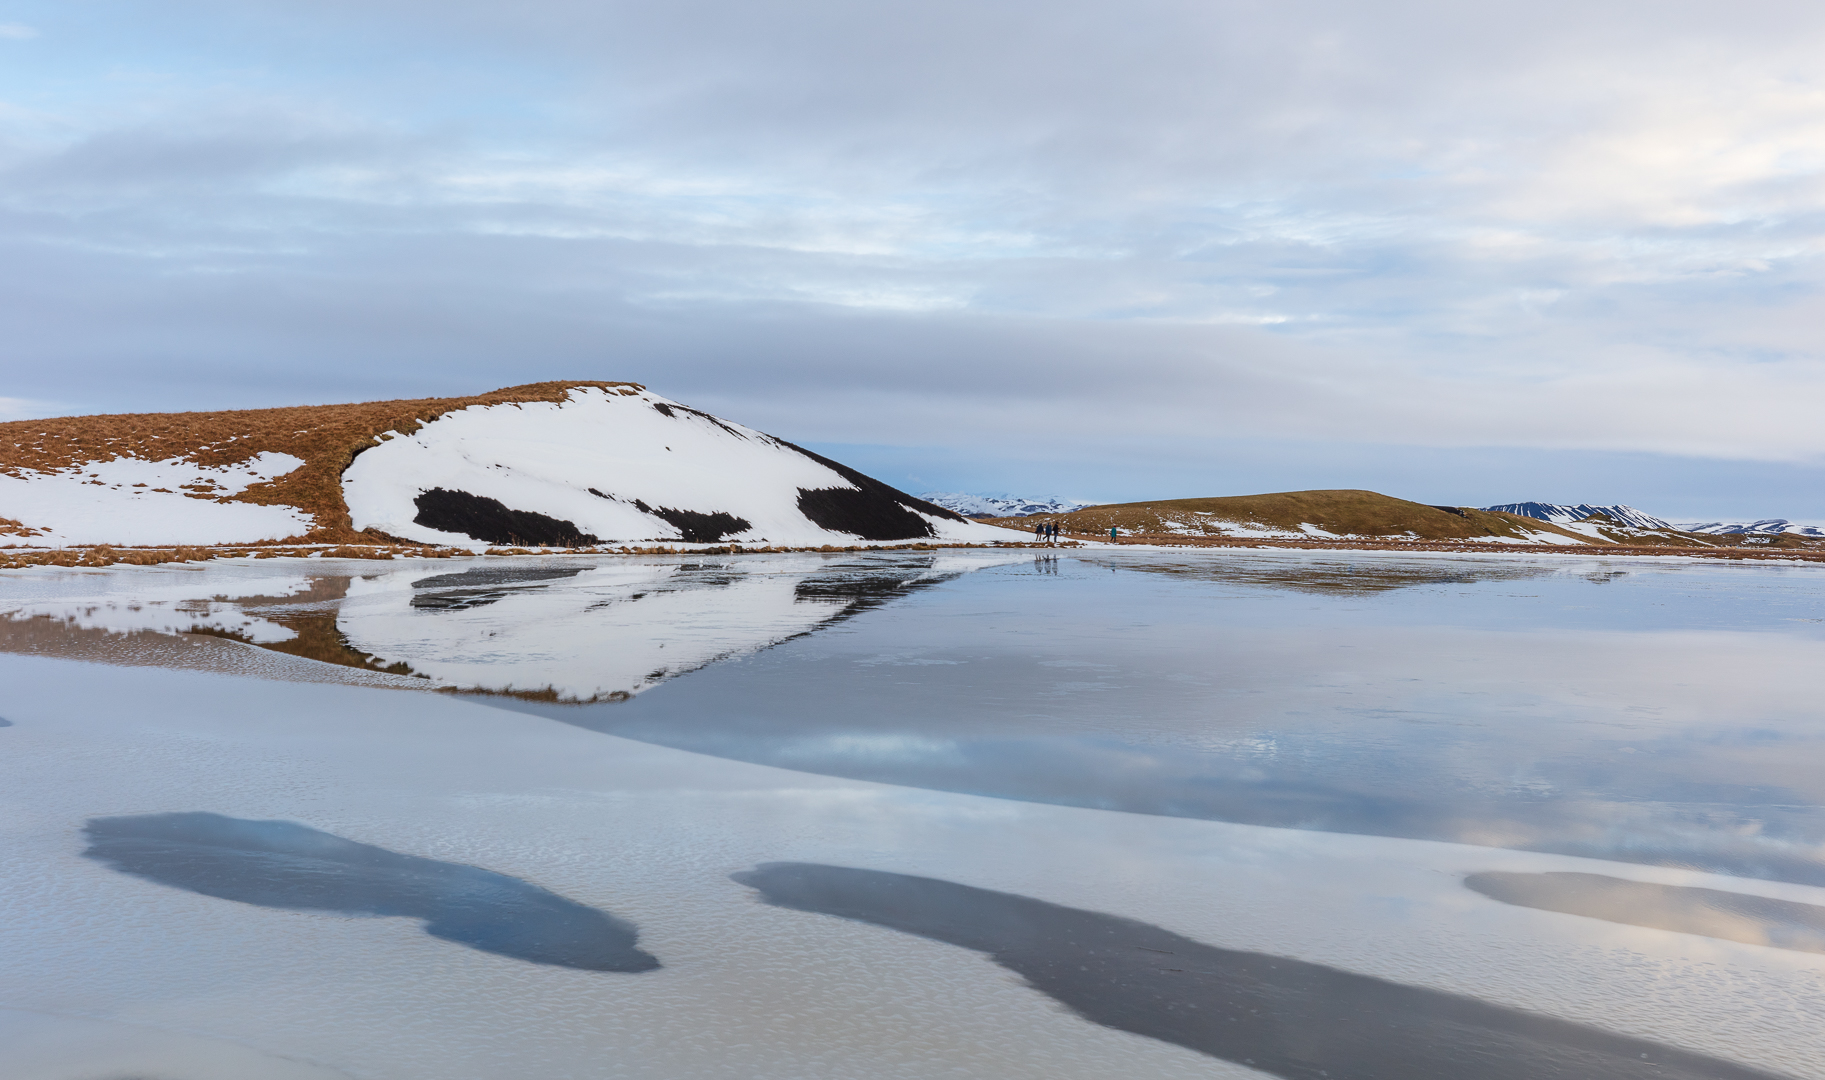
(1652, 711)
(1732, 916)
(560, 629)
(1276, 1014)
(1659, 714)
(282, 864)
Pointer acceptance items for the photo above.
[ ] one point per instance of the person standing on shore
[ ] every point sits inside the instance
(1112, 534)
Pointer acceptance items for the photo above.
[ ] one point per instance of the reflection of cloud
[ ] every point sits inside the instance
(1732, 916)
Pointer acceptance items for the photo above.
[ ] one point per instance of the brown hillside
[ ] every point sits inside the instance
(1343, 512)
(326, 437)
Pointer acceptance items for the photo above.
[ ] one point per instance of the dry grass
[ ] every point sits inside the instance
(1344, 512)
(1372, 518)
(326, 437)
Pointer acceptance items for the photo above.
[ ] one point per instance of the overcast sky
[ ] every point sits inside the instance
(1460, 252)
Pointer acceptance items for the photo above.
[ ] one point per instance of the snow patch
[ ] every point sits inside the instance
(137, 502)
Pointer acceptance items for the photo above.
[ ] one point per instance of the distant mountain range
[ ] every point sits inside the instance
(1566, 514)
(1766, 527)
(999, 505)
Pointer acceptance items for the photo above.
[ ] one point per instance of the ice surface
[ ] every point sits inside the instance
(747, 989)
(1326, 747)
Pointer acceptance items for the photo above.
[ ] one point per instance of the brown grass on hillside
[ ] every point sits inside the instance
(327, 437)
(1345, 512)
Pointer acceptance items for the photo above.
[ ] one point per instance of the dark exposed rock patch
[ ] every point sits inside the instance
(697, 527)
(1278, 1015)
(492, 521)
(281, 864)
(867, 515)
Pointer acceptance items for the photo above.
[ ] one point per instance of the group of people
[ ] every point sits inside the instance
(1046, 532)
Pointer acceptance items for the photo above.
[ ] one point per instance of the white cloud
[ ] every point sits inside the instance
(16, 32)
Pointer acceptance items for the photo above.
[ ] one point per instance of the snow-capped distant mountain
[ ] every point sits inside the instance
(1766, 527)
(1564, 514)
(999, 505)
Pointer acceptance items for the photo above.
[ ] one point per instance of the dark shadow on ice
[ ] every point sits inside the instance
(281, 864)
(1278, 1015)
(497, 575)
(4, 722)
(1756, 920)
(481, 586)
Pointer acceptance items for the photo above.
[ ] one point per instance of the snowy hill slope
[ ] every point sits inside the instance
(553, 464)
(1564, 514)
(1000, 505)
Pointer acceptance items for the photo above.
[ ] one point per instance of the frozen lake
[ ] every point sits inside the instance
(902, 814)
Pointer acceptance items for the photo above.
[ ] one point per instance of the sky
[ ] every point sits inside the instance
(1461, 252)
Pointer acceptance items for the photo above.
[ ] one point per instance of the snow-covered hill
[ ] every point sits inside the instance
(999, 505)
(559, 465)
(1765, 527)
(1564, 514)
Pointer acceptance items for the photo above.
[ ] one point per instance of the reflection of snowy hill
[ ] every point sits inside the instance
(563, 629)
(1000, 505)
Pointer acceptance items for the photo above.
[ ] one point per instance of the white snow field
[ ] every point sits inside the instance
(621, 468)
(130, 501)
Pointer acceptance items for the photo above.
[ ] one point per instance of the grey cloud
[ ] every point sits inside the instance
(949, 225)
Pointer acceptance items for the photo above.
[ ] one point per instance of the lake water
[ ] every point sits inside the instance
(1211, 813)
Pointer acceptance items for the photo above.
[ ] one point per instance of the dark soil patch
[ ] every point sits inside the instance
(865, 514)
(697, 527)
(871, 510)
(492, 521)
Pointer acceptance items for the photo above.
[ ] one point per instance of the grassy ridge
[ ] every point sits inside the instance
(1345, 512)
